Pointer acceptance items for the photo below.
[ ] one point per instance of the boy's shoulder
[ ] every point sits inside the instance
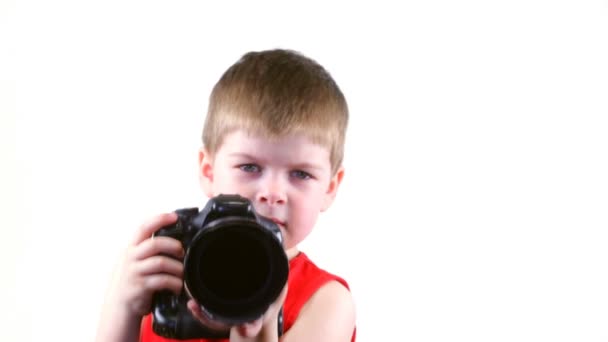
(305, 279)
(303, 270)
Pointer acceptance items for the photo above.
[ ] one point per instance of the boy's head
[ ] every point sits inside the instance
(274, 134)
(276, 93)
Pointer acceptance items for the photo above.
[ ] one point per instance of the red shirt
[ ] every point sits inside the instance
(305, 278)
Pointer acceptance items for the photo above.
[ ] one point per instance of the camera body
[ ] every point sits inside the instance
(234, 267)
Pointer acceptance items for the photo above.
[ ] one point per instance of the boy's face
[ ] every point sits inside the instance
(288, 180)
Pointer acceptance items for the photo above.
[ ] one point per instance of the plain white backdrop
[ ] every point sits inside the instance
(475, 202)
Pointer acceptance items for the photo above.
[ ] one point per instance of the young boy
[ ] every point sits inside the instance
(274, 133)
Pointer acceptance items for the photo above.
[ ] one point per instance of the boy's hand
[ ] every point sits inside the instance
(149, 266)
(262, 329)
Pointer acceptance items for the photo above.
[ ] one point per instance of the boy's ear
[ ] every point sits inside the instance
(205, 171)
(332, 189)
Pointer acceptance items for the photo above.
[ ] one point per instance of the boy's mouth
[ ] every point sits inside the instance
(278, 222)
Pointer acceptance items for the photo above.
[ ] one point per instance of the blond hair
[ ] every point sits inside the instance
(274, 93)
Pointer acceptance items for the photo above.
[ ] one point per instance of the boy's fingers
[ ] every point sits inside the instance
(158, 245)
(160, 264)
(159, 282)
(196, 311)
(147, 229)
(250, 329)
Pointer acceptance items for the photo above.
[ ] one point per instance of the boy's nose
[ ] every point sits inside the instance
(272, 192)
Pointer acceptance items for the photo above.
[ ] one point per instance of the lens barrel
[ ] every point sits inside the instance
(235, 268)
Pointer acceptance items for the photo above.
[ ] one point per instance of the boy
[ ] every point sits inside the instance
(274, 133)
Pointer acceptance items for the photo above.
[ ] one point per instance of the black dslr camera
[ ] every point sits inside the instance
(234, 267)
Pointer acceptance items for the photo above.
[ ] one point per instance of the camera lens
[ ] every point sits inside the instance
(235, 269)
(234, 265)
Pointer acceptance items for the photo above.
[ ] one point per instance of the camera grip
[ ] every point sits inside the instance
(172, 319)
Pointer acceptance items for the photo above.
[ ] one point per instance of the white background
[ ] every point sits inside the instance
(475, 203)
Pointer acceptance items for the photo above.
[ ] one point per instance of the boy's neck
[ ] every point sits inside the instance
(292, 252)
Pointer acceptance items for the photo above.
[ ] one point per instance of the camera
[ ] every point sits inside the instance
(234, 267)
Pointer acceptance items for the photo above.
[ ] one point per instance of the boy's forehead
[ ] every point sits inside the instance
(289, 147)
(287, 140)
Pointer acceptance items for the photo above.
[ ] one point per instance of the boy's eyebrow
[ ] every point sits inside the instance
(307, 166)
(241, 155)
(303, 165)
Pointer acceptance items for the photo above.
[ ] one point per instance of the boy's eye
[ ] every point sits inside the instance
(249, 168)
(301, 174)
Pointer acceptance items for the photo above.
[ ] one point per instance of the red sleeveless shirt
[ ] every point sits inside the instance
(305, 278)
